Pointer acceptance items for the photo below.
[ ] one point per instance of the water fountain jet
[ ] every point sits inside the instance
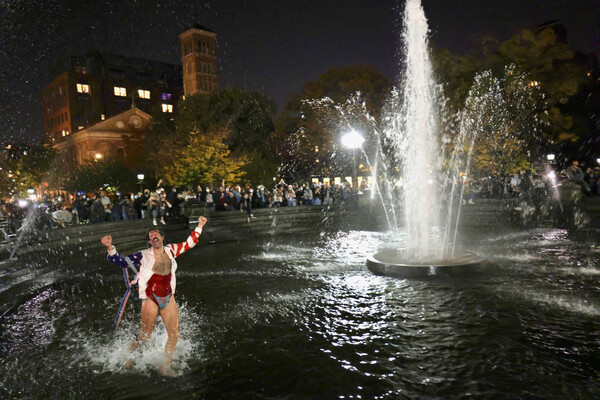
(413, 130)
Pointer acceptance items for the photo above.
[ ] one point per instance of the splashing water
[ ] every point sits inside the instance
(25, 227)
(413, 130)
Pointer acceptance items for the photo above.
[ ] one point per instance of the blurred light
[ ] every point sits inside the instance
(550, 157)
(98, 156)
(598, 160)
(32, 197)
(30, 191)
(552, 177)
(352, 140)
(22, 203)
(140, 177)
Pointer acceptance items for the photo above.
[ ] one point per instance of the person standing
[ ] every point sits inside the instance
(575, 174)
(106, 203)
(156, 280)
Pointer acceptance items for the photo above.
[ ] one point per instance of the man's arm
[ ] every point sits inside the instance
(116, 258)
(191, 241)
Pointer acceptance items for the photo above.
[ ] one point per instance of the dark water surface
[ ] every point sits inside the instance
(302, 318)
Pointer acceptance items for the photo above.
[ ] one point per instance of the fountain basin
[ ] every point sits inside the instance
(396, 263)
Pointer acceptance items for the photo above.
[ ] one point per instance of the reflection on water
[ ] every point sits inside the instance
(303, 316)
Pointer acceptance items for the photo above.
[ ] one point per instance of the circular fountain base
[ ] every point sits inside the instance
(392, 262)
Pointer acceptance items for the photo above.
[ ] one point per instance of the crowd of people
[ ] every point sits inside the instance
(528, 184)
(59, 209)
(159, 204)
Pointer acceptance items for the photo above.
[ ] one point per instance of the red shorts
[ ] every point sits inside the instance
(159, 290)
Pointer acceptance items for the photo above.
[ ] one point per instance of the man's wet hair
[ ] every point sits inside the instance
(161, 233)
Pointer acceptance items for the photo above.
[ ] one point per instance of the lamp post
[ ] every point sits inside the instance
(141, 180)
(353, 140)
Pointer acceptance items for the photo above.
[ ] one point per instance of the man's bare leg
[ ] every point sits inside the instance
(170, 317)
(149, 314)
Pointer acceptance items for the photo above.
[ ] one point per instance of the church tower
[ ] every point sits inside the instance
(199, 60)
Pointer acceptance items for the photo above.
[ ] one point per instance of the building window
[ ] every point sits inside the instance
(83, 88)
(120, 91)
(167, 108)
(144, 94)
(165, 96)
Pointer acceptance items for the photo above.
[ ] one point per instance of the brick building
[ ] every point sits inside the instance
(199, 60)
(100, 103)
(98, 86)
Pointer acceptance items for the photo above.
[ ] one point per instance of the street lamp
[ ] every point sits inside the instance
(550, 158)
(353, 140)
(141, 180)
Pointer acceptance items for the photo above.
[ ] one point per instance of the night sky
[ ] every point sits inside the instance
(268, 46)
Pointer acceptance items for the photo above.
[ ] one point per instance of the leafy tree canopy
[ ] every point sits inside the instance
(205, 160)
(104, 174)
(239, 125)
(549, 63)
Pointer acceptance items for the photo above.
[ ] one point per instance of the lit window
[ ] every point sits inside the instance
(83, 88)
(144, 94)
(120, 91)
(168, 108)
(166, 96)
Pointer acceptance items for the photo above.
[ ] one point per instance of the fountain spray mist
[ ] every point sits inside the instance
(413, 130)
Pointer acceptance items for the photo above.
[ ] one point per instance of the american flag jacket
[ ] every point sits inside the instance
(144, 260)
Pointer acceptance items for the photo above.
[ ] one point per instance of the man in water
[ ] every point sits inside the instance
(156, 281)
